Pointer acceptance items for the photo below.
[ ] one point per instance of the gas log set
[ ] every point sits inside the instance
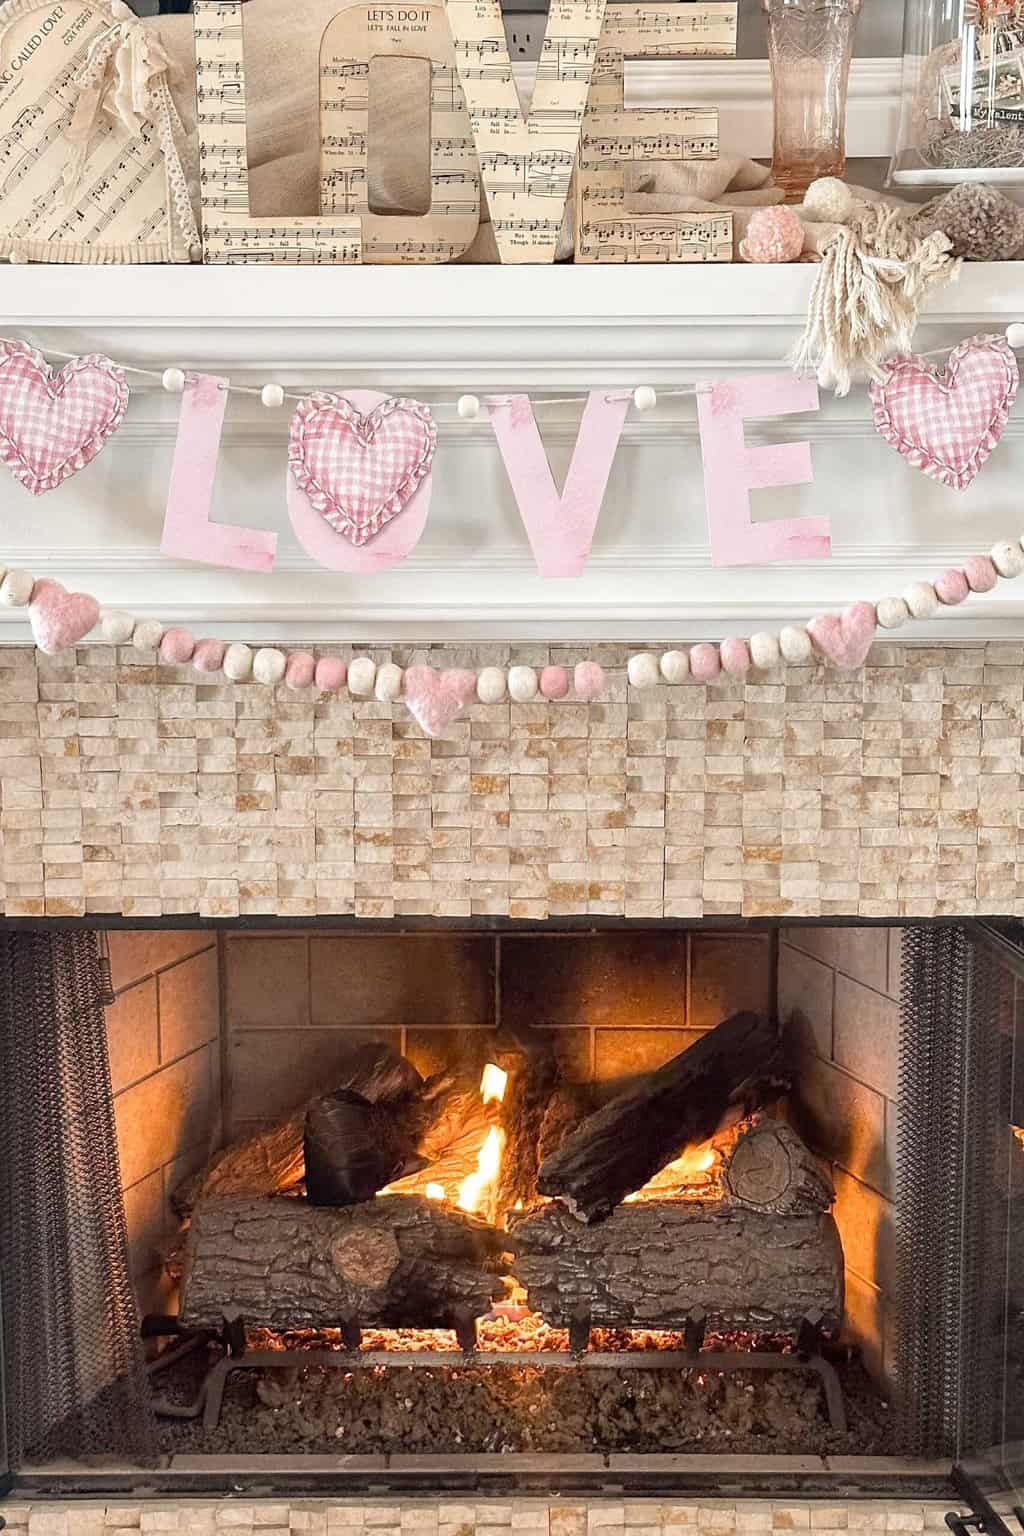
(394, 1202)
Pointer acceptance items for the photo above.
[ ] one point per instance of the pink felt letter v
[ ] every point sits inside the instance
(560, 528)
(732, 471)
(188, 531)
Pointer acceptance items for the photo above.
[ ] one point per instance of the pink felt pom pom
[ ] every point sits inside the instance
(60, 618)
(208, 655)
(981, 574)
(330, 674)
(177, 646)
(300, 670)
(588, 680)
(952, 587)
(705, 662)
(554, 683)
(735, 657)
(773, 235)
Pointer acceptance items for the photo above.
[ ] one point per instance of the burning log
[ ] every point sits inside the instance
(283, 1263)
(540, 1112)
(616, 1150)
(770, 1169)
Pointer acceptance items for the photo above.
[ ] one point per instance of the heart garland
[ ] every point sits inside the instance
(52, 425)
(360, 471)
(947, 423)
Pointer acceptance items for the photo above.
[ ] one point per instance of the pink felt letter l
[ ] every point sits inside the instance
(560, 528)
(188, 531)
(732, 471)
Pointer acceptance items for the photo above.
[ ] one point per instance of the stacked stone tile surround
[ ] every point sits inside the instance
(131, 787)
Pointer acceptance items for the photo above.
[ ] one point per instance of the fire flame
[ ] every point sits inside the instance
(1018, 1131)
(689, 1168)
(434, 1191)
(488, 1164)
(493, 1084)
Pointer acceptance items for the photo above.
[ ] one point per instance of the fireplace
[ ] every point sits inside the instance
(449, 1200)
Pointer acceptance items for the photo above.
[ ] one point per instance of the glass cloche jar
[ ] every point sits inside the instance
(962, 108)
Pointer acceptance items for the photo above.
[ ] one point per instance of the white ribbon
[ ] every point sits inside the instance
(121, 68)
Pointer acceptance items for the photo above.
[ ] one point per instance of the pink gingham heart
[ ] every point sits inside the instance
(360, 471)
(60, 618)
(948, 424)
(435, 698)
(845, 638)
(52, 425)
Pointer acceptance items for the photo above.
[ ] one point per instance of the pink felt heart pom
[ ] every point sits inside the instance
(588, 680)
(329, 674)
(60, 618)
(300, 670)
(951, 588)
(208, 655)
(554, 682)
(845, 639)
(981, 574)
(735, 657)
(177, 645)
(435, 698)
(705, 662)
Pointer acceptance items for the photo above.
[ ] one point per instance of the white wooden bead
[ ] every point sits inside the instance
(468, 407)
(1015, 335)
(272, 396)
(116, 626)
(922, 599)
(893, 612)
(173, 381)
(147, 634)
(644, 398)
(490, 685)
(268, 665)
(16, 589)
(674, 666)
(643, 670)
(362, 674)
(1008, 560)
(795, 645)
(522, 684)
(237, 663)
(764, 651)
(388, 683)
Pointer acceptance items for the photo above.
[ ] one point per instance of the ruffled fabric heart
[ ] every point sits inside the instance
(947, 424)
(52, 425)
(435, 698)
(360, 471)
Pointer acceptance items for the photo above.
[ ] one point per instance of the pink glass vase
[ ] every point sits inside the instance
(810, 45)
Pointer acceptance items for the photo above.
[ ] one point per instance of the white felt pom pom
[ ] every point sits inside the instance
(1008, 560)
(388, 683)
(893, 612)
(116, 626)
(147, 634)
(523, 684)
(173, 381)
(16, 589)
(643, 670)
(468, 407)
(674, 666)
(645, 398)
(268, 665)
(828, 201)
(490, 685)
(922, 599)
(362, 674)
(795, 645)
(1015, 335)
(764, 651)
(237, 663)
(272, 396)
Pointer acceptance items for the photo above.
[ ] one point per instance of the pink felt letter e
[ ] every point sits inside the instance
(732, 471)
(188, 532)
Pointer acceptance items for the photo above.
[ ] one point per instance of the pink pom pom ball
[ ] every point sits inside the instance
(330, 674)
(554, 683)
(588, 679)
(300, 669)
(177, 645)
(773, 235)
(981, 574)
(735, 657)
(705, 662)
(208, 655)
(951, 588)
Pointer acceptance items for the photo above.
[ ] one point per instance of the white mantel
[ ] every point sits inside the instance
(440, 332)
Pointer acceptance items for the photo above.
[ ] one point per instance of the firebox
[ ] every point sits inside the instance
(445, 1205)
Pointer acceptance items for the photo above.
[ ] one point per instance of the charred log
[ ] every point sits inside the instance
(395, 1261)
(353, 1148)
(616, 1150)
(540, 1111)
(770, 1169)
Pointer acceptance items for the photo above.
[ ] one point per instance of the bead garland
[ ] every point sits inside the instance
(366, 679)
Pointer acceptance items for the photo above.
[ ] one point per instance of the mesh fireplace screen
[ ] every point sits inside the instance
(74, 1367)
